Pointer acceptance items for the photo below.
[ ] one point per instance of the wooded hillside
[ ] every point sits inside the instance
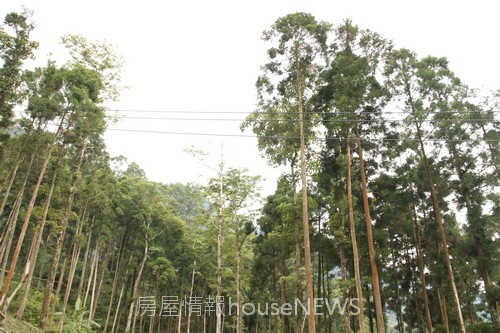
(387, 220)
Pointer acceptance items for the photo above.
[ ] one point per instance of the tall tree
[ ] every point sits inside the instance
(286, 86)
(352, 98)
(15, 48)
(420, 83)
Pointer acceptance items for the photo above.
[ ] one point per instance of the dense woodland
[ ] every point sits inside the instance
(391, 201)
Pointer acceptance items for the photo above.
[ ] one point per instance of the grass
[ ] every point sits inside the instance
(13, 325)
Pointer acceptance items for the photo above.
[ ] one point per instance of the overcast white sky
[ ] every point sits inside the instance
(205, 56)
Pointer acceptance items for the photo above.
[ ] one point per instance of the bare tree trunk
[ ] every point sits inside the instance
(416, 237)
(438, 216)
(305, 214)
(286, 323)
(218, 310)
(444, 311)
(369, 233)
(37, 238)
(93, 269)
(80, 292)
(136, 284)
(297, 244)
(58, 290)
(439, 219)
(343, 267)
(8, 235)
(239, 299)
(60, 240)
(115, 283)
(357, 274)
(27, 217)
(16, 167)
(179, 317)
(44, 255)
(75, 254)
(94, 280)
(100, 279)
(190, 296)
(115, 319)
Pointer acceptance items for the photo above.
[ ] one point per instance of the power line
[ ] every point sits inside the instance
(293, 137)
(323, 121)
(291, 112)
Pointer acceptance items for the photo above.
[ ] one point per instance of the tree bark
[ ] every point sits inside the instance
(136, 285)
(190, 297)
(75, 254)
(27, 217)
(416, 237)
(438, 215)
(343, 267)
(8, 236)
(305, 214)
(218, 310)
(357, 274)
(60, 240)
(37, 238)
(16, 167)
(113, 288)
(369, 233)
(100, 279)
(297, 244)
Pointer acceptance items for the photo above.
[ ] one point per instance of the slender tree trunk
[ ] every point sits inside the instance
(286, 323)
(16, 167)
(179, 316)
(369, 233)
(42, 267)
(190, 297)
(413, 284)
(438, 216)
(27, 217)
(75, 254)
(93, 272)
(357, 274)
(369, 308)
(60, 240)
(239, 299)
(115, 319)
(218, 310)
(444, 311)
(343, 267)
(58, 290)
(439, 219)
(115, 283)
(399, 312)
(420, 260)
(305, 214)
(136, 285)
(8, 235)
(297, 244)
(37, 238)
(100, 280)
(80, 292)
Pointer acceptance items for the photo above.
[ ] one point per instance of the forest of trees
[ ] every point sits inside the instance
(386, 221)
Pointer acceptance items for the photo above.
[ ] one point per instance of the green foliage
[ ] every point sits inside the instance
(33, 307)
(78, 321)
(482, 328)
